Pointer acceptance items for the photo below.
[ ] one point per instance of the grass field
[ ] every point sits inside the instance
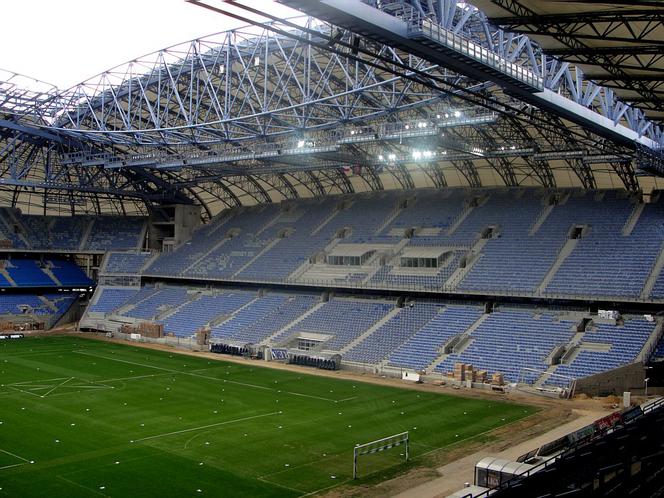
(81, 418)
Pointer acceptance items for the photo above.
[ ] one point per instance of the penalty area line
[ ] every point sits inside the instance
(226, 422)
(14, 455)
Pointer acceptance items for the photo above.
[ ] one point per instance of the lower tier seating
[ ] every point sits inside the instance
(425, 334)
(48, 308)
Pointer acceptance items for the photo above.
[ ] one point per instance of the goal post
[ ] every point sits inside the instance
(383, 444)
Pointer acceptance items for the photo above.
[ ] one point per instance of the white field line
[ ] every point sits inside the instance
(81, 486)
(14, 465)
(267, 481)
(310, 396)
(331, 457)
(206, 426)
(35, 353)
(55, 387)
(24, 391)
(33, 381)
(213, 378)
(327, 487)
(14, 455)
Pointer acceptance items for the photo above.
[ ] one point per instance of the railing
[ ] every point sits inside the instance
(418, 26)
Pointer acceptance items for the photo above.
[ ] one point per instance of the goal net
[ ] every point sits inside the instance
(378, 447)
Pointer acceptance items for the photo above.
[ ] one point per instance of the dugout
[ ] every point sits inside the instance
(491, 472)
(324, 362)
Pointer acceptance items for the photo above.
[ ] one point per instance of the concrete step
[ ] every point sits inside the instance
(292, 324)
(52, 276)
(460, 273)
(466, 334)
(541, 218)
(545, 376)
(86, 235)
(633, 219)
(654, 274)
(270, 245)
(565, 251)
(198, 260)
(369, 331)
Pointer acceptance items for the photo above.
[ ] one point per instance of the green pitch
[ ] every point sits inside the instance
(87, 418)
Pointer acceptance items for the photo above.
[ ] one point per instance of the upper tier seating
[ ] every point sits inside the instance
(34, 273)
(606, 263)
(276, 243)
(72, 233)
(115, 232)
(126, 263)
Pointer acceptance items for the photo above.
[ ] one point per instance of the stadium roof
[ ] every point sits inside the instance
(618, 44)
(307, 107)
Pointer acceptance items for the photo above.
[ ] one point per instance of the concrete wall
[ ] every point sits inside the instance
(616, 381)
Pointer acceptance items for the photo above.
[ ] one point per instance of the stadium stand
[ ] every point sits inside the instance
(157, 302)
(204, 310)
(42, 307)
(114, 232)
(68, 274)
(80, 233)
(424, 346)
(624, 343)
(343, 319)
(431, 335)
(17, 272)
(264, 317)
(499, 241)
(509, 341)
(109, 299)
(658, 353)
(392, 334)
(125, 263)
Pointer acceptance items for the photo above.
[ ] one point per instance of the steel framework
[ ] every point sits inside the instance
(303, 107)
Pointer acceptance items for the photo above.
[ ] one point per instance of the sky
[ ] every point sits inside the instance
(64, 42)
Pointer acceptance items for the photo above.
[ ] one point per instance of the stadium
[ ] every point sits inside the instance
(379, 248)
